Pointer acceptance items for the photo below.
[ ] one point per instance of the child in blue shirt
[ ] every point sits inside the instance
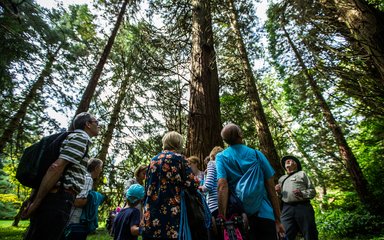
(127, 223)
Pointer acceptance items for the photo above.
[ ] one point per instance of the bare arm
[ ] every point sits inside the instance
(50, 178)
(222, 191)
(135, 230)
(80, 202)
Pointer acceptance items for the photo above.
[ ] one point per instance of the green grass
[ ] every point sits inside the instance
(7, 232)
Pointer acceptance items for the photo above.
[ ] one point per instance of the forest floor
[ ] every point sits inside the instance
(7, 232)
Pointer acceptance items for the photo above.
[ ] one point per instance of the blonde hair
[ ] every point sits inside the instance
(215, 151)
(173, 141)
(193, 159)
(139, 169)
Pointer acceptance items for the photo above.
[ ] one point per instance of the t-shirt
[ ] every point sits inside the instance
(126, 218)
(210, 186)
(76, 211)
(239, 155)
(73, 150)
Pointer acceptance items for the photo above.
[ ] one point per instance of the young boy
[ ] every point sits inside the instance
(126, 224)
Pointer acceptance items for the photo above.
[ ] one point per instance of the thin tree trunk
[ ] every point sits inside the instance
(90, 90)
(367, 26)
(113, 121)
(15, 121)
(204, 106)
(349, 159)
(307, 159)
(264, 135)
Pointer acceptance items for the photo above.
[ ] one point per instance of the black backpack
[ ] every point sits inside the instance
(37, 158)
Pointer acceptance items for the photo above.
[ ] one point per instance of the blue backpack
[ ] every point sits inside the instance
(250, 189)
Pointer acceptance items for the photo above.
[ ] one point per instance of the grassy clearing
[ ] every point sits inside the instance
(7, 232)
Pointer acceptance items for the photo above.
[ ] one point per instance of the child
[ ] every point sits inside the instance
(126, 225)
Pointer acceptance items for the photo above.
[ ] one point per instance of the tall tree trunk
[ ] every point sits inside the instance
(113, 121)
(349, 159)
(367, 26)
(307, 159)
(14, 123)
(264, 135)
(90, 90)
(204, 105)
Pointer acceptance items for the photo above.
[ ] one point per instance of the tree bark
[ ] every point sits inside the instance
(90, 90)
(346, 154)
(204, 105)
(14, 123)
(366, 25)
(113, 121)
(264, 135)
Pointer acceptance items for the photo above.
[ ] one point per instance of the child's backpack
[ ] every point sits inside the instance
(37, 158)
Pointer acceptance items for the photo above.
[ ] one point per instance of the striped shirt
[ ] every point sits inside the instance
(76, 211)
(73, 150)
(210, 186)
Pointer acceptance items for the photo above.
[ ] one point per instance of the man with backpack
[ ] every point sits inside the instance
(247, 173)
(296, 190)
(51, 204)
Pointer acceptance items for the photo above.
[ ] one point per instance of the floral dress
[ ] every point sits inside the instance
(162, 201)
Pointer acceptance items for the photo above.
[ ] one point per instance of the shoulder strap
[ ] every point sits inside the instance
(282, 183)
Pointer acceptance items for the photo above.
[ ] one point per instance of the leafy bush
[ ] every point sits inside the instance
(9, 205)
(343, 216)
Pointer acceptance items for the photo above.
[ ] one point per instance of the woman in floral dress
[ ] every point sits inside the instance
(163, 187)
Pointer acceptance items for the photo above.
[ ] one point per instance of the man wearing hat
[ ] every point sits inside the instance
(296, 190)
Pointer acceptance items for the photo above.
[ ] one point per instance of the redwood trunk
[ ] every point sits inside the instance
(204, 106)
(346, 154)
(90, 90)
(264, 135)
(367, 26)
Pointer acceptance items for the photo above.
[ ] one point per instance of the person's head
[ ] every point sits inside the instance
(140, 173)
(231, 134)
(291, 164)
(215, 150)
(173, 141)
(134, 194)
(193, 161)
(87, 122)
(94, 167)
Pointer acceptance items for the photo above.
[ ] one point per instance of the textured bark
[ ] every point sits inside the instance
(15, 121)
(204, 105)
(346, 154)
(90, 90)
(264, 135)
(367, 26)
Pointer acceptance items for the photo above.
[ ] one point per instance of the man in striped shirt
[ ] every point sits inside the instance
(64, 179)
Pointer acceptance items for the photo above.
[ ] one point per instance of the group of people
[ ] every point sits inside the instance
(154, 197)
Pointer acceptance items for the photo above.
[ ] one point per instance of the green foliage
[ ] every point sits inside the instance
(342, 216)
(9, 203)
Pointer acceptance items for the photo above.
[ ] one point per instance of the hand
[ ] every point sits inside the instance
(280, 229)
(29, 210)
(298, 193)
(278, 188)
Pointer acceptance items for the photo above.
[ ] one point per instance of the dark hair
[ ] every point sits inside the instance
(93, 163)
(81, 119)
(231, 134)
